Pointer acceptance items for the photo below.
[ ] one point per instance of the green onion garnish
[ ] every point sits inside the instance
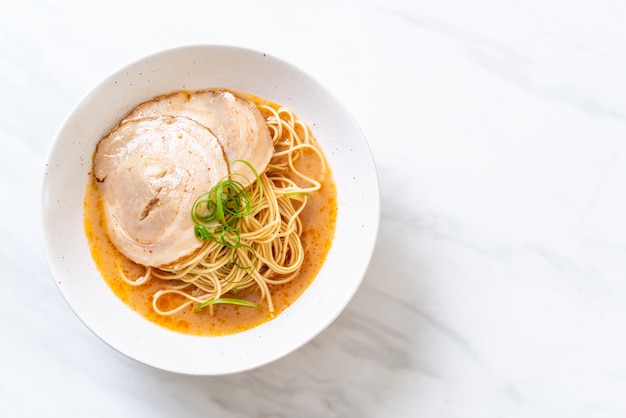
(230, 301)
(217, 213)
(217, 216)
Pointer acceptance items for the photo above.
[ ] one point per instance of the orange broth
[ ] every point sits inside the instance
(318, 221)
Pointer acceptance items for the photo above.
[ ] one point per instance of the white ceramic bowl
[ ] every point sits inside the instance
(196, 67)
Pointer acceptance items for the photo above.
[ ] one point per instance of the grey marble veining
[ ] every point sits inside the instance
(497, 286)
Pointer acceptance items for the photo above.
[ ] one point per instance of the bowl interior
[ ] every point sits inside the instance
(196, 67)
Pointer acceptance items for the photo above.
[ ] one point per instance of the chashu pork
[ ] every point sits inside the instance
(239, 125)
(150, 171)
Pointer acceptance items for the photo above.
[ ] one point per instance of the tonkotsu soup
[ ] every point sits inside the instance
(209, 212)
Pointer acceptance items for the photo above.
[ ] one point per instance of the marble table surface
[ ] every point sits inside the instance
(497, 287)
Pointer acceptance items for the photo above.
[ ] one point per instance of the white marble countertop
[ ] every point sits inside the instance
(498, 284)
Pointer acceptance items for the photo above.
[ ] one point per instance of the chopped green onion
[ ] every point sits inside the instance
(201, 232)
(254, 254)
(217, 213)
(230, 301)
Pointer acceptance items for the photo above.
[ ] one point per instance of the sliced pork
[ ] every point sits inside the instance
(150, 170)
(237, 123)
